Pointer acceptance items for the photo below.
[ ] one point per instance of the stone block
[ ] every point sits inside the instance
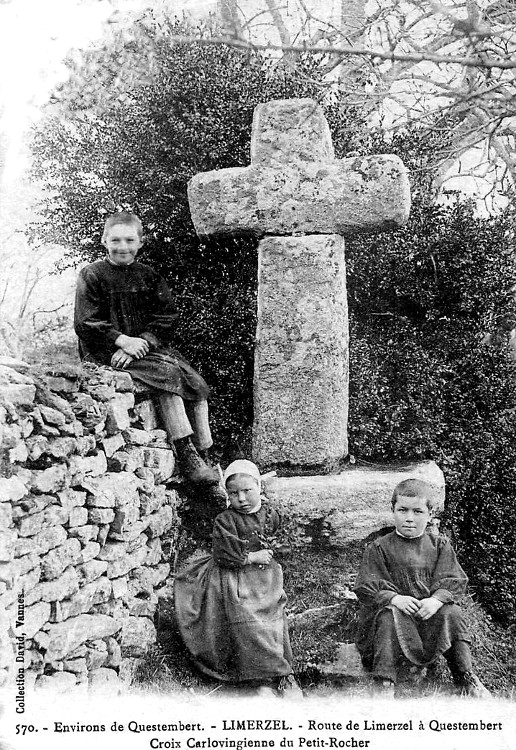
(120, 587)
(37, 446)
(153, 501)
(138, 634)
(86, 444)
(35, 617)
(122, 566)
(112, 490)
(22, 565)
(67, 636)
(145, 413)
(52, 416)
(54, 563)
(160, 521)
(6, 515)
(62, 384)
(82, 467)
(61, 447)
(84, 534)
(346, 663)
(351, 505)
(112, 551)
(59, 682)
(17, 388)
(77, 666)
(301, 355)
(133, 532)
(111, 445)
(91, 570)
(50, 538)
(155, 552)
(78, 517)
(71, 498)
(123, 381)
(12, 489)
(31, 504)
(100, 515)
(125, 517)
(56, 590)
(104, 681)
(30, 579)
(96, 592)
(133, 436)
(89, 552)
(117, 417)
(114, 653)
(53, 479)
(7, 544)
(161, 461)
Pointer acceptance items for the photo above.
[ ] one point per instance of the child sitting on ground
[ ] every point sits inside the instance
(124, 317)
(230, 606)
(408, 585)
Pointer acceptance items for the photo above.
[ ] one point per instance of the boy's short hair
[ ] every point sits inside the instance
(414, 488)
(122, 217)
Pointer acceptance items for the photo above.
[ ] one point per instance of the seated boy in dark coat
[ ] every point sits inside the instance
(125, 317)
(408, 585)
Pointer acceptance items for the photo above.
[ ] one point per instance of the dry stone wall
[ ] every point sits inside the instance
(84, 507)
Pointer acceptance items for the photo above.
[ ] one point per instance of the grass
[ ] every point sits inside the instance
(317, 578)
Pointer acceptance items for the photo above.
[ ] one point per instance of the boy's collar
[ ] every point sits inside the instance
(410, 537)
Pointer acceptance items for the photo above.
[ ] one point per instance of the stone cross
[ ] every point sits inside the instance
(302, 202)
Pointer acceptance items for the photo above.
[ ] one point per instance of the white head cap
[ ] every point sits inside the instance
(242, 466)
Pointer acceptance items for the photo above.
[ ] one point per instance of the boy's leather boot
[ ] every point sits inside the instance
(192, 465)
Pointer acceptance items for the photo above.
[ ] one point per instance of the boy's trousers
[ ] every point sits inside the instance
(443, 633)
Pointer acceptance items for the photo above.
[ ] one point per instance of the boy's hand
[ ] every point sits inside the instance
(407, 604)
(120, 359)
(260, 557)
(429, 607)
(134, 346)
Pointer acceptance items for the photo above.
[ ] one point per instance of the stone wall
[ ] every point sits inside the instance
(84, 506)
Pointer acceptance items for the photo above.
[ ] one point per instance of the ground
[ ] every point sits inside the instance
(318, 578)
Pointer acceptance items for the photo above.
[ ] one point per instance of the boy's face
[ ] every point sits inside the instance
(411, 515)
(122, 241)
(243, 493)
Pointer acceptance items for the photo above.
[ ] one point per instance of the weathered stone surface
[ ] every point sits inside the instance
(59, 682)
(125, 517)
(155, 552)
(301, 356)
(123, 381)
(137, 635)
(100, 515)
(114, 652)
(86, 444)
(89, 551)
(96, 654)
(52, 479)
(11, 489)
(133, 532)
(6, 515)
(61, 447)
(17, 388)
(303, 188)
(145, 413)
(57, 560)
(22, 565)
(122, 566)
(87, 466)
(62, 384)
(35, 617)
(84, 533)
(66, 636)
(16, 364)
(112, 551)
(117, 418)
(78, 517)
(160, 521)
(147, 579)
(30, 579)
(351, 505)
(77, 666)
(112, 490)
(104, 681)
(50, 538)
(161, 461)
(37, 446)
(7, 544)
(91, 570)
(71, 498)
(52, 416)
(112, 444)
(133, 436)
(152, 501)
(120, 587)
(50, 591)
(51, 515)
(83, 600)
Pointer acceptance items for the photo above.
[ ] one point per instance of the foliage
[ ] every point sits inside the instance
(424, 383)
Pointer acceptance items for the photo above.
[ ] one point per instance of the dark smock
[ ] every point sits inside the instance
(421, 567)
(133, 300)
(232, 616)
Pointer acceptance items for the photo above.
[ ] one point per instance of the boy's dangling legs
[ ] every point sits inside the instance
(180, 432)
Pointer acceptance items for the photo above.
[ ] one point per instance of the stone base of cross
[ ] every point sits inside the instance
(301, 202)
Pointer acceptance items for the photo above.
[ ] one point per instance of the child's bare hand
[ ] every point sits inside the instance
(120, 359)
(133, 346)
(407, 604)
(429, 607)
(260, 557)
